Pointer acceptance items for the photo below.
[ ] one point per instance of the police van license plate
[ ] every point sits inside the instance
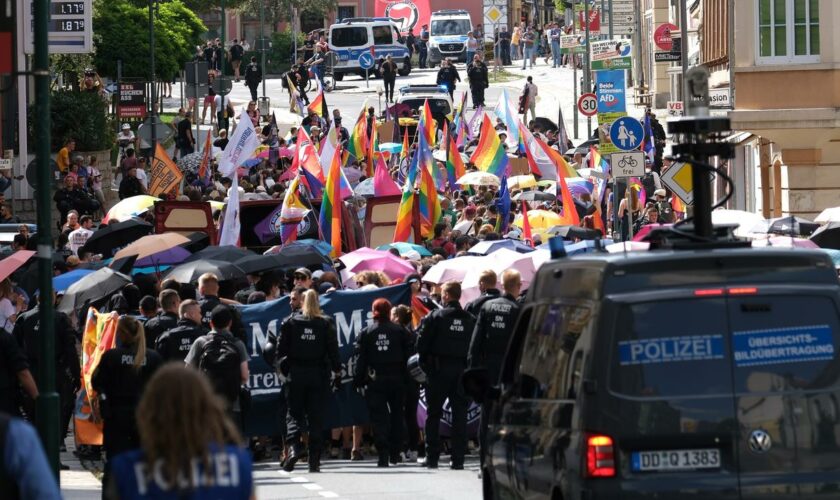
(674, 460)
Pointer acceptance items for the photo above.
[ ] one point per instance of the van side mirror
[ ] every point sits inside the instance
(476, 382)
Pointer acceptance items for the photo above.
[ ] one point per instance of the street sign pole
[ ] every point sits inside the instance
(262, 45)
(367, 81)
(47, 402)
(198, 141)
(586, 71)
(638, 36)
(575, 83)
(152, 107)
(222, 66)
(612, 15)
(684, 52)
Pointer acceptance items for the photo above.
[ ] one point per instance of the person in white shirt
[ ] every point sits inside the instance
(78, 237)
(141, 174)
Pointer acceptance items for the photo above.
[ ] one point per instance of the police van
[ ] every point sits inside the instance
(378, 36)
(670, 374)
(448, 35)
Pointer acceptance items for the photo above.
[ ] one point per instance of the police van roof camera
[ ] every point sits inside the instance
(352, 38)
(448, 35)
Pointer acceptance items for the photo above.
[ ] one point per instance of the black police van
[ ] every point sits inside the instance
(671, 374)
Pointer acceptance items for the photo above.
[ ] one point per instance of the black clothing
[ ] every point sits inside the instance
(155, 326)
(130, 186)
(474, 306)
(410, 41)
(207, 303)
(175, 343)
(185, 138)
(303, 81)
(389, 77)
(448, 76)
(242, 295)
(208, 56)
(443, 345)
(74, 199)
(26, 332)
(493, 327)
(236, 52)
(221, 143)
(479, 80)
(12, 362)
(218, 55)
(311, 346)
(253, 77)
(504, 47)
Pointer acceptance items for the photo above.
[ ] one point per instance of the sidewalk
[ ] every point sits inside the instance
(78, 483)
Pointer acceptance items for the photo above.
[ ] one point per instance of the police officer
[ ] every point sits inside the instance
(208, 288)
(383, 349)
(308, 340)
(443, 344)
(448, 75)
(175, 343)
(477, 74)
(166, 319)
(493, 327)
(424, 45)
(487, 287)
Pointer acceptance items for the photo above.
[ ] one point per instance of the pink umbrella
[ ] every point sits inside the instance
(498, 261)
(451, 270)
(366, 259)
(646, 229)
(784, 242)
(11, 263)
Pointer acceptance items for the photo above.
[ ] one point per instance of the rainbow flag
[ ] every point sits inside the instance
(563, 167)
(570, 216)
(429, 203)
(489, 155)
(405, 146)
(404, 228)
(636, 183)
(455, 167)
(526, 225)
(372, 153)
(427, 123)
(319, 104)
(357, 144)
(677, 204)
(330, 219)
(292, 212)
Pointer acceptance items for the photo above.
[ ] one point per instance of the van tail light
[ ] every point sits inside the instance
(743, 291)
(719, 292)
(709, 292)
(600, 456)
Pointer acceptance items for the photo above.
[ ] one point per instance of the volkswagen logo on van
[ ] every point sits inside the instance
(760, 441)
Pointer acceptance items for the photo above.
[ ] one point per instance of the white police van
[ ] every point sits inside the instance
(355, 36)
(448, 35)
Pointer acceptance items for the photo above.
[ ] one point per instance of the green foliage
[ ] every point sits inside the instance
(282, 46)
(122, 32)
(80, 115)
(280, 10)
(198, 5)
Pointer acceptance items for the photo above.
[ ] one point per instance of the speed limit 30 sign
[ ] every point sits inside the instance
(588, 104)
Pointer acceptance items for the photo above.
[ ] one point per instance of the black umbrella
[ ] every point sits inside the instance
(198, 242)
(570, 232)
(94, 286)
(792, 226)
(255, 264)
(107, 239)
(124, 264)
(827, 236)
(189, 272)
(302, 256)
(534, 196)
(191, 162)
(227, 253)
(545, 124)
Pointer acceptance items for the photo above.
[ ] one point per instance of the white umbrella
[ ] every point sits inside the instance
(746, 221)
(829, 215)
(365, 188)
(498, 262)
(478, 179)
(451, 269)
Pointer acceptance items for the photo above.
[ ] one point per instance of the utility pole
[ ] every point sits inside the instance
(684, 53)
(152, 94)
(610, 6)
(640, 65)
(47, 403)
(586, 62)
(222, 65)
(263, 47)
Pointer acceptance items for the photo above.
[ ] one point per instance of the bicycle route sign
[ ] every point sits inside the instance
(628, 164)
(366, 60)
(627, 133)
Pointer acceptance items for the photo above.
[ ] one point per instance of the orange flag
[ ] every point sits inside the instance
(164, 176)
(526, 225)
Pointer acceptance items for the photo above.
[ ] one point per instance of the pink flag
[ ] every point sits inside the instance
(383, 185)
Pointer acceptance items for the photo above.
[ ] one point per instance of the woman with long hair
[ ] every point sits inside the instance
(309, 342)
(189, 448)
(9, 305)
(119, 380)
(627, 217)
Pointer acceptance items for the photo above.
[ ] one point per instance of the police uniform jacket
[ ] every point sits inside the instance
(493, 329)
(207, 303)
(444, 334)
(158, 324)
(477, 73)
(26, 331)
(473, 307)
(175, 343)
(448, 75)
(385, 347)
(309, 342)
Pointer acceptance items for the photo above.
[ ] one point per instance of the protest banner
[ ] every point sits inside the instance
(164, 177)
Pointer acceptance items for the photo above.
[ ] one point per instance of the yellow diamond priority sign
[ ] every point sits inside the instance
(493, 14)
(678, 180)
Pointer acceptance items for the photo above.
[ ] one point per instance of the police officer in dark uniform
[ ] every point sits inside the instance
(443, 345)
(166, 319)
(493, 328)
(208, 287)
(383, 349)
(448, 75)
(479, 80)
(308, 340)
(175, 343)
(487, 286)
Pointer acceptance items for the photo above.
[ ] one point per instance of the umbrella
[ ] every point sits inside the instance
(784, 242)
(365, 188)
(320, 246)
(11, 263)
(586, 246)
(540, 220)
(189, 272)
(62, 281)
(228, 253)
(301, 254)
(404, 248)
(578, 186)
(745, 220)
(391, 147)
(789, 226)
(534, 196)
(152, 244)
(255, 264)
(123, 265)
(576, 232)
(108, 238)
(367, 259)
(451, 270)
(829, 215)
(522, 182)
(827, 236)
(478, 179)
(191, 162)
(130, 207)
(174, 255)
(96, 285)
(498, 262)
(545, 124)
(488, 247)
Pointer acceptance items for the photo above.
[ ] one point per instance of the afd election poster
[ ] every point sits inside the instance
(351, 311)
(610, 91)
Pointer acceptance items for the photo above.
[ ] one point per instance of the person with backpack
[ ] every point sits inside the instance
(665, 211)
(223, 358)
(119, 380)
(309, 343)
(650, 181)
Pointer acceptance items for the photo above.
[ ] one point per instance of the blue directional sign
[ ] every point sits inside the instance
(366, 60)
(627, 133)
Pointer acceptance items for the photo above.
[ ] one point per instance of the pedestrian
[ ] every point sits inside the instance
(14, 373)
(24, 470)
(443, 345)
(308, 341)
(448, 75)
(479, 80)
(528, 100)
(119, 380)
(388, 69)
(505, 46)
(224, 359)
(186, 141)
(188, 447)
(424, 45)
(236, 52)
(382, 351)
(130, 185)
(515, 43)
(209, 100)
(78, 237)
(253, 77)
(527, 40)
(63, 158)
(164, 320)
(174, 344)
(554, 37)
(95, 183)
(302, 80)
(493, 328)
(473, 45)
(410, 42)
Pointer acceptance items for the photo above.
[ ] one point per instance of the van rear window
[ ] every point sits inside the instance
(671, 348)
(350, 36)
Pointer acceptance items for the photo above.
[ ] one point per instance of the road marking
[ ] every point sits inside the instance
(312, 487)
(299, 479)
(328, 494)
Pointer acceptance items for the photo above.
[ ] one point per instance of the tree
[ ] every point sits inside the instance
(280, 10)
(121, 31)
(198, 5)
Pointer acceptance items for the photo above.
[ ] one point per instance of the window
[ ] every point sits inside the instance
(349, 36)
(382, 35)
(345, 12)
(788, 31)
